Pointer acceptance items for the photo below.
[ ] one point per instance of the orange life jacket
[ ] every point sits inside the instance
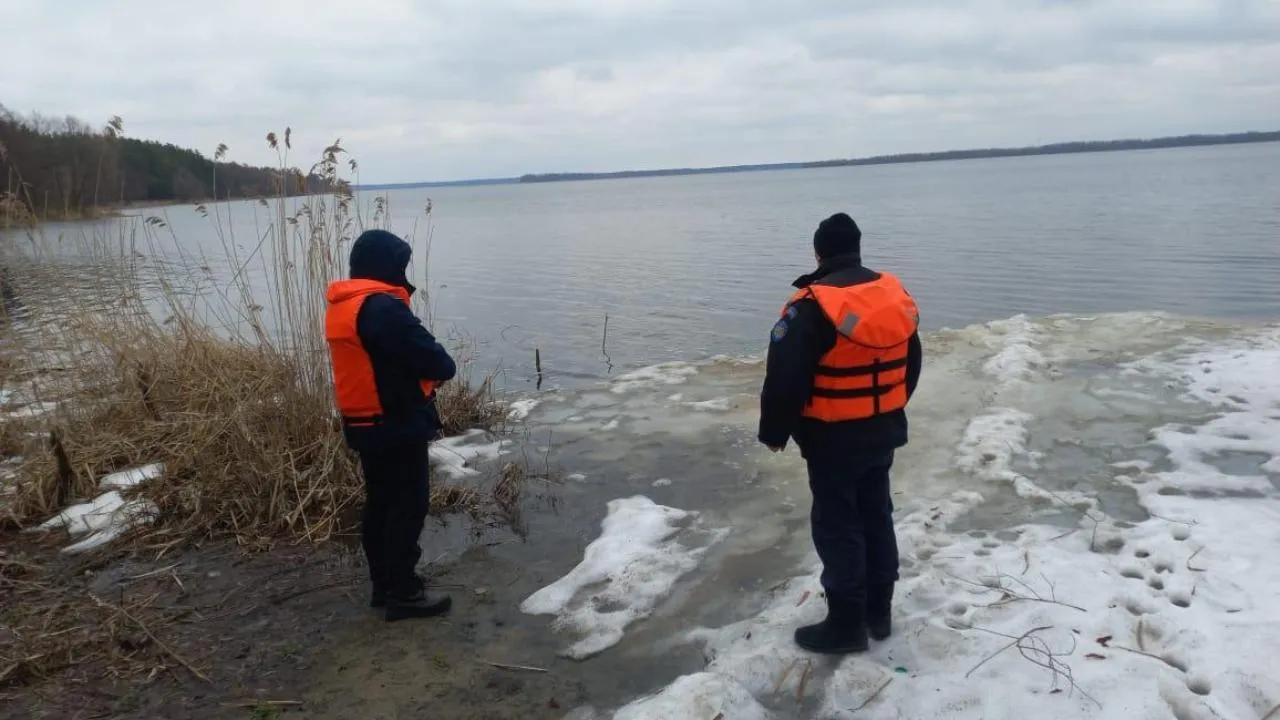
(353, 381)
(865, 372)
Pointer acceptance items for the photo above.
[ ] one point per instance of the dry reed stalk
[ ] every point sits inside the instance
(232, 396)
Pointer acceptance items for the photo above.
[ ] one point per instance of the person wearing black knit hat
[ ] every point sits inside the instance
(844, 360)
(837, 236)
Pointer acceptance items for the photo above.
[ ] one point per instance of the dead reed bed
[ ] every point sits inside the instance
(228, 389)
(226, 386)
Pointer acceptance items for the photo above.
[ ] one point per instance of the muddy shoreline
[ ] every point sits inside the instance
(288, 633)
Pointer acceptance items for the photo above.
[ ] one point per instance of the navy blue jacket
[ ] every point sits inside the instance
(402, 351)
(798, 343)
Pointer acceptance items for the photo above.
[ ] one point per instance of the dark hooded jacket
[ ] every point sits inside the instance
(799, 342)
(402, 351)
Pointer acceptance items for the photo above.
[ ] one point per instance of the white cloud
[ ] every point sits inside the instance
(464, 88)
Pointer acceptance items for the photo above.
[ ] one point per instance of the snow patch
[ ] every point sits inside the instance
(520, 409)
(715, 405)
(130, 478)
(623, 575)
(102, 520)
(704, 695)
(109, 515)
(1017, 358)
(992, 441)
(673, 373)
(662, 482)
(1244, 385)
(457, 456)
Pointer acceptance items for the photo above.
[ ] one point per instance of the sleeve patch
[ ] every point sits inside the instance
(779, 330)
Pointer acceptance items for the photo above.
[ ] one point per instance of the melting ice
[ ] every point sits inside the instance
(1088, 513)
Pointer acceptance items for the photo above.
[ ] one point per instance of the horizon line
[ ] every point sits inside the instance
(1057, 148)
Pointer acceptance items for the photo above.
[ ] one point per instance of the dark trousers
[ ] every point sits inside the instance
(852, 521)
(397, 498)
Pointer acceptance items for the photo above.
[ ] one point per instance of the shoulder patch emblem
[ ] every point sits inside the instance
(779, 330)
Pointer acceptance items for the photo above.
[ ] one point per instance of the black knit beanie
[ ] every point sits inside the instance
(837, 235)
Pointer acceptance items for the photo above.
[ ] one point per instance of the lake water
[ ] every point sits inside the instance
(690, 267)
(1099, 359)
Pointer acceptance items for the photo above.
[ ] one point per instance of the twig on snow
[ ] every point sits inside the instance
(785, 674)
(1037, 651)
(804, 680)
(1144, 653)
(1193, 557)
(995, 654)
(1000, 583)
(874, 695)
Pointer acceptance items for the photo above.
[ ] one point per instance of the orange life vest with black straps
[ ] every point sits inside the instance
(353, 381)
(865, 372)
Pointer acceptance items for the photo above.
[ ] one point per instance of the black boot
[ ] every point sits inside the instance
(418, 605)
(842, 632)
(880, 611)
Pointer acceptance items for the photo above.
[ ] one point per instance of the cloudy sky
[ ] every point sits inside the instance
(447, 89)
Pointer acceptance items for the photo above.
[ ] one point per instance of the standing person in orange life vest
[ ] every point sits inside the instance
(386, 368)
(844, 360)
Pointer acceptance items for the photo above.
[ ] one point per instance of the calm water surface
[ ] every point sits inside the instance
(690, 267)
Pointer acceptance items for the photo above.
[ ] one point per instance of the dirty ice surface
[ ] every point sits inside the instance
(642, 550)
(458, 456)
(109, 515)
(520, 409)
(1088, 515)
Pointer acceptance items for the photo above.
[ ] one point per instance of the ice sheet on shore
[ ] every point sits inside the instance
(457, 457)
(623, 575)
(672, 373)
(520, 409)
(1172, 616)
(101, 520)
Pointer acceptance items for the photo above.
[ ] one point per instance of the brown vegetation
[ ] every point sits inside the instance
(238, 410)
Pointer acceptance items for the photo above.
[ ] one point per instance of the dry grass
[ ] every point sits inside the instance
(243, 421)
(248, 449)
(14, 439)
(238, 407)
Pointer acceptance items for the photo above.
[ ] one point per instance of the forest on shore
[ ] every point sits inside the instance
(65, 169)
(1063, 148)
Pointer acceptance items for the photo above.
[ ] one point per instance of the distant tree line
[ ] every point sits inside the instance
(1060, 149)
(1055, 149)
(63, 168)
